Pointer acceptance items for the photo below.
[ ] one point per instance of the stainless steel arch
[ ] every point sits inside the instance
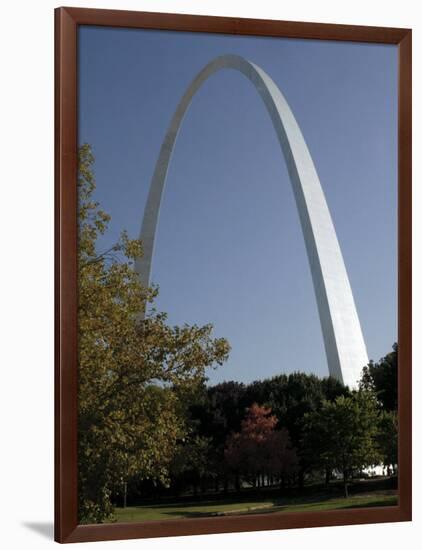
(344, 344)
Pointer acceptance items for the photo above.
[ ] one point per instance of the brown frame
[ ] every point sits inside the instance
(66, 23)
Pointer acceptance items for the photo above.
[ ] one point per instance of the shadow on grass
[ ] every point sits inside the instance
(195, 514)
(321, 507)
(275, 495)
(286, 507)
(196, 503)
(280, 501)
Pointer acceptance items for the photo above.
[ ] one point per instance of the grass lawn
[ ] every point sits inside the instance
(230, 506)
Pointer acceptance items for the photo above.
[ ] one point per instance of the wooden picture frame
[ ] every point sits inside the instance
(67, 21)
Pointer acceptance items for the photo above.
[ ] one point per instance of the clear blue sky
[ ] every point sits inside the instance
(229, 247)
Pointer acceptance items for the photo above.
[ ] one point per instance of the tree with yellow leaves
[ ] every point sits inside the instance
(134, 375)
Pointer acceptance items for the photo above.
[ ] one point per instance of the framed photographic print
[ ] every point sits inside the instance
(233, 311)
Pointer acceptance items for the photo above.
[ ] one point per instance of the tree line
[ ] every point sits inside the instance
(283, 431)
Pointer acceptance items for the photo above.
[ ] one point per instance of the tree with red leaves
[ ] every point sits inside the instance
(260, 452)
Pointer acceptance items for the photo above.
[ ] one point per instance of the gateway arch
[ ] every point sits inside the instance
(344, 344)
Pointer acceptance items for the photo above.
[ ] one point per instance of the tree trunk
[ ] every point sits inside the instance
(237, 482)
(346, 491)
(124, 494)
(301, 478)
(327, 476)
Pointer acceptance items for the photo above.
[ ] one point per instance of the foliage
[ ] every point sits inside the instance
(381, 378)
(292, 396)
(258, 448)
(343, 433)
(387, 438)
(191, 461)
(220, 410)
(133, 374)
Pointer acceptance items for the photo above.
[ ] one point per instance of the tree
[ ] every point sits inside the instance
(381, 378)
(343, 434)
(387, 438)
(134, 375)
(192, 461)
(214, 413)
(258, 449)
(291, 397)
(281, 457)
(219, 410)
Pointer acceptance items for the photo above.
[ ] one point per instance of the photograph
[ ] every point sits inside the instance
(237, 275)
(207, 298)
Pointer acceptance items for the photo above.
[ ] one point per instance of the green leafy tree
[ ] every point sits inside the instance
(134, 375)
(388, 438)
(381, 378)
(343, 434)
(192, 461)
